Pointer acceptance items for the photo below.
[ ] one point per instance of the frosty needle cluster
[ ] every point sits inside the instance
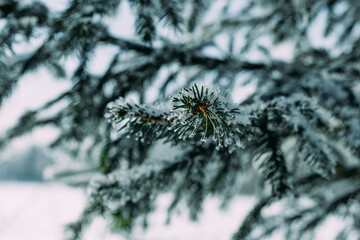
(195, 111)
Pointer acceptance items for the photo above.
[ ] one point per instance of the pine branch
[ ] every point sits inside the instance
(301, 117)
(197, 10)
(329, 208)
(147, 124)
(254, 217)
(144, 22)
(124, 206)
(200, 110)
(186, 57)
(273, 165)
(28, 122)
(305, 218)
(281, 122)
(171, 12)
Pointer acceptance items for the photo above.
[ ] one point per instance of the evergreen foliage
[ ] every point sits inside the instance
(300, 129)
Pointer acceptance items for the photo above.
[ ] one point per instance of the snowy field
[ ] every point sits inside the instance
(39, 211)
(35, 211)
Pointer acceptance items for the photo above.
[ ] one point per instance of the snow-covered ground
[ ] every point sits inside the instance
(39, 211)
(35, 211)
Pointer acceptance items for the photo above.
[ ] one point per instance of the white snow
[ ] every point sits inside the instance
(36, 211)
(39, 211)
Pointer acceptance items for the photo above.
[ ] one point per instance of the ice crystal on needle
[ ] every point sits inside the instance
(196, 112)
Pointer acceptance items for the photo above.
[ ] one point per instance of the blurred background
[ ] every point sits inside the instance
(34, 206)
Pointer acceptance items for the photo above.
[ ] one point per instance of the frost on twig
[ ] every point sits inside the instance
(198, 113)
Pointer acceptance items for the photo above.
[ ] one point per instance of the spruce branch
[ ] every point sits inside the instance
(144, 22)
(115, 191)
(299, 116)
(147, 124)
(283, 126)
(330, 207)
(273, 165)
(198, 110)
(198, 7)
(171, 12)
(208, 110)
(253, 218)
